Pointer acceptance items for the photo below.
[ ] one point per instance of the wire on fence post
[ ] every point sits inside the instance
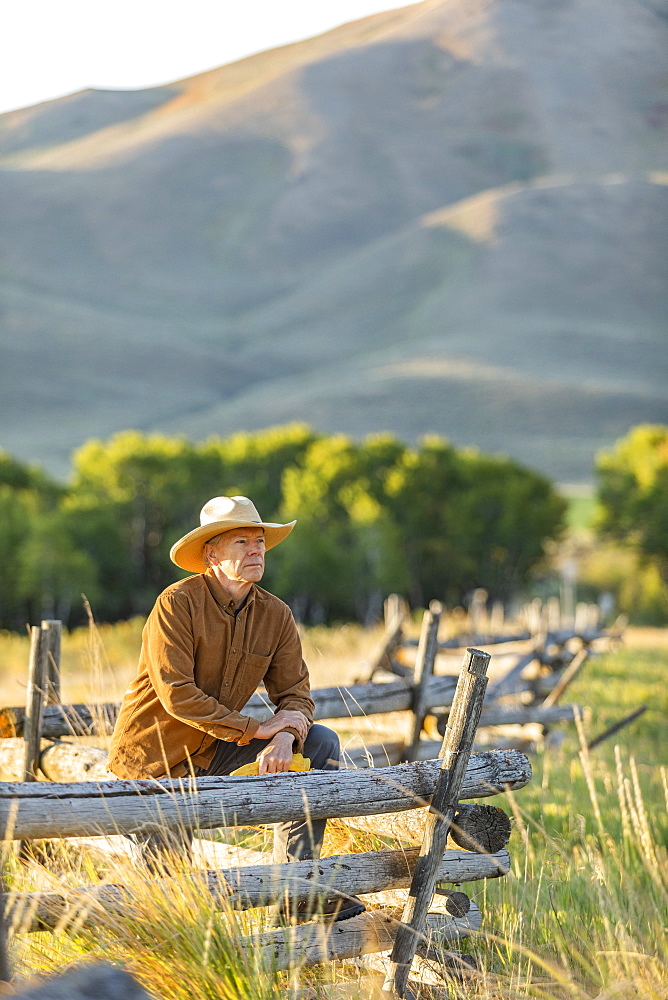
(455, 752)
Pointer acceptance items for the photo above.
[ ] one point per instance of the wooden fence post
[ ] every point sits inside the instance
(5, 969)
(567, 677)
(455, 753)
(395, 612)
(424, 669)
(553, 612)
(44, 669)
(53, 630)
(497, 619)
(35, 693)
(478, 611)
(581, 618)
(37, 680)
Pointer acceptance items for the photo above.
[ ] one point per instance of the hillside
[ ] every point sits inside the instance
(446, 218)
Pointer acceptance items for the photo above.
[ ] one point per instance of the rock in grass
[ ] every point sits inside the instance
(97, 981)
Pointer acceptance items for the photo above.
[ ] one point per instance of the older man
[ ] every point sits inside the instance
(209, 641)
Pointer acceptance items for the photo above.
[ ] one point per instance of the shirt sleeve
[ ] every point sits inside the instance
(287, 680)
(170, 660)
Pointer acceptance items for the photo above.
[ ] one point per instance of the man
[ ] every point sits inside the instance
(208, 643)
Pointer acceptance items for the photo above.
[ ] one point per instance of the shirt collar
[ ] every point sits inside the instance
(221, 596)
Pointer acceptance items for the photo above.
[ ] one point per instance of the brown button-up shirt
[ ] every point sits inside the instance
(201, 660)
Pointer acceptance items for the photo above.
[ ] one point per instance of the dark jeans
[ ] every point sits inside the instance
(296, 841)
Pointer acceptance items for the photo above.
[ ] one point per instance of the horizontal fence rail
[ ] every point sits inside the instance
(356, 700)
(65, 762)
(371, 932)
(246, 887)
(330, 703)
(31, 811)
(557, 637)
(472, 639)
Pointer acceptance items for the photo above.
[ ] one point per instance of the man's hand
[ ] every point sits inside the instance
(277, 755)
(286, 717)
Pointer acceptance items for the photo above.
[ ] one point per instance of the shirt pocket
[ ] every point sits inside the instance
(249, 674)
(255, 664)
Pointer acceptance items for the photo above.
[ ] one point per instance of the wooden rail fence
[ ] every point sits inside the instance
(389, 800)
(50, 810)
(47, 809)
(528, 692)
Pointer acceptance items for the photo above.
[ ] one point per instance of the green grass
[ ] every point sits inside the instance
(586, 904)
(580, 511)
(583, 910)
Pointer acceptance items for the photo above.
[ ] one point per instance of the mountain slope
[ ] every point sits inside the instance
(446, 218)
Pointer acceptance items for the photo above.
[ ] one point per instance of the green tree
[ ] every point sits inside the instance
(429, 522)
(343, 555)
(16, 507)
(633, 494)
(512, 512)
(252, 465)
(316, 571)
(18, 476)
(44, 570)
(54, 574)
(135, 494)
(425, 495)
(467, 520)
(27, 495)
(373, 517)
(131, 497)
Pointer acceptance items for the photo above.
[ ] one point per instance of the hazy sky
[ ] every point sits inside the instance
(53, 47)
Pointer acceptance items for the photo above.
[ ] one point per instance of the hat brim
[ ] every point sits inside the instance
(188, 552)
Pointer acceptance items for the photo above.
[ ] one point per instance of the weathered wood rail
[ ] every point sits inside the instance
(481, 827)
(51, 810)
(370, 932)
(70, 761)
(474, 824)
(330, 703)
(88, 720)
(57, 761)
(243, 888)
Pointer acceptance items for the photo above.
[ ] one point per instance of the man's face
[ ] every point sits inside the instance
(239, 554)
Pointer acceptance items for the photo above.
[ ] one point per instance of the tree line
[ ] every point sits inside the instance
(632, 516)
(375, 516)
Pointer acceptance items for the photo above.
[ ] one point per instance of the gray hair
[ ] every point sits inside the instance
(211, 541)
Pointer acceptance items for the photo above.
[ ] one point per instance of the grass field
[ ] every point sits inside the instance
(588, 896)
(581, 508)
(582, 914)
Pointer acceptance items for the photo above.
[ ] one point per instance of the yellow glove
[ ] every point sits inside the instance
(298, 763)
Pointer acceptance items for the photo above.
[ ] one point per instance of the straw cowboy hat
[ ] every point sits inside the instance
(218, 515)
